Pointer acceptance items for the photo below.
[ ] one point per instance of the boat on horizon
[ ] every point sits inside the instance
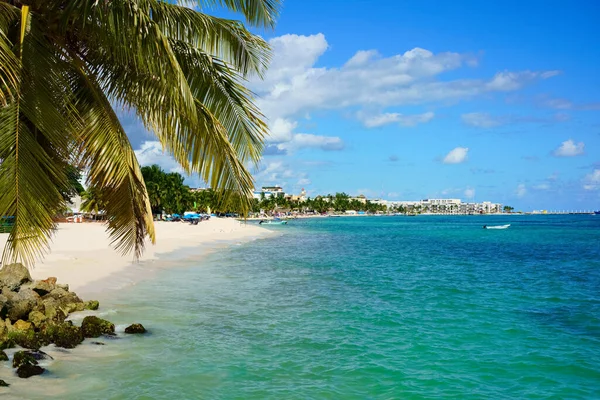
(496, 226)
(597, 212)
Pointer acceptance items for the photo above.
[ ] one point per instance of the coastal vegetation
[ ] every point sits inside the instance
(339, 202)
(66, 66)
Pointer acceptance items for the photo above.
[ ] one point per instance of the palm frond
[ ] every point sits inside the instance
(257, 12)
(221, 92)
(34, 141)
(225, 39)
(113, 169)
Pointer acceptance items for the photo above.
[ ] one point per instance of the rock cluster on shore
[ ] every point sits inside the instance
(33, 314)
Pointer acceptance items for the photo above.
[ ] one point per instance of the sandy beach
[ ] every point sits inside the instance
(81, 254)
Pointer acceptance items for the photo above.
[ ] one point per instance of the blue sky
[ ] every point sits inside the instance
(406, 100)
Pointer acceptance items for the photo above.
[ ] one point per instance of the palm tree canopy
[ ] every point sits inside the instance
(66, 64)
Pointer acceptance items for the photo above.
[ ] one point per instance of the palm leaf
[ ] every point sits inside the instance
(34, 141)
(113, 169)
(257, 12)
(225, 39)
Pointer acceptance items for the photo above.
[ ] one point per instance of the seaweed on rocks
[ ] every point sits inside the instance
(93, 327)
(135, 328)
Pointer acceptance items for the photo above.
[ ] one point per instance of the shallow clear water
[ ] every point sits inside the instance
(362, 308)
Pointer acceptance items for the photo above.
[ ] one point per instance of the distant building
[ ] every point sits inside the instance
(195, 190)
(442, 206)
(360, 198)
(269, 191)
(299, 198)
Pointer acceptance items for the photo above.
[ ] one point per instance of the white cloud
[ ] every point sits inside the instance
(469, 193)
(569, 148)
(280, 173)
(592, 180)
(481, 120)
(280, 130)
(308, 141)
(361, 58)
(373, 121)
(542, 186)
(456, 156)
(521, 190)
(151, 152)
(294, 85)
(508, 81)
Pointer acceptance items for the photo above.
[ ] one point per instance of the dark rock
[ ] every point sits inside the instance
(63, 286)
(61, 294)
(30, 339)
(3, 356)
(37, 318)
(40, 355)
(20, 304)
(64, 335)
(66, 301)
(7, 344)
(22, 358)
(93, 326)
(3, 329)
(97, 343)
(3, 306)
(52, 310)
(42, 287)
(3, 384)
(27, 370)
(92, 305)
(135, 328)
(13, 276)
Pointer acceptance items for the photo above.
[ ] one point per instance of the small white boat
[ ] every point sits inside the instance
(496, 226)
(273, 222)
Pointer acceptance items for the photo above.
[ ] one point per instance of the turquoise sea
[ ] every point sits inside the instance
(360, 308)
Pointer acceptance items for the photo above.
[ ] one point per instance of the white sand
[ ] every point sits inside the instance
(82, 257)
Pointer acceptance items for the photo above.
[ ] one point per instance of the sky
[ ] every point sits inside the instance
(408, 100)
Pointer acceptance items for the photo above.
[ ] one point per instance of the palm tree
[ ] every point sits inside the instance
(64, 68)
(92, 202)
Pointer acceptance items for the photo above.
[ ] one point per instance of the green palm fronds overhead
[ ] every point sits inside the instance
(64, 67)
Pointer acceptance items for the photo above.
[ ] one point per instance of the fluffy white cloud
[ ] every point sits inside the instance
(481, 120)
(373, 121)
(521, 190)
(456, 155)
(569, 148)
(469, 193)
(151, 152)
(592, 180)
(281, 130)
(294, 85)
(303, 182)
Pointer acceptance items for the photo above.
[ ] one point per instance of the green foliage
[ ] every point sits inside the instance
(340, 202)
(64, 64)
(166, 191)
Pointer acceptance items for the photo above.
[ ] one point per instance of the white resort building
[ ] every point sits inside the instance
(442, 206)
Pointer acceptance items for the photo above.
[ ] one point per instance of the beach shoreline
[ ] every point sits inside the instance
(82, 257)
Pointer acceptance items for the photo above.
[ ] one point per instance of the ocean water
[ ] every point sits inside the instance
(359, 308)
